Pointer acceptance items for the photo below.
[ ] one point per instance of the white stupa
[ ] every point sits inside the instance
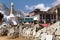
(11, 17)
(11, 11)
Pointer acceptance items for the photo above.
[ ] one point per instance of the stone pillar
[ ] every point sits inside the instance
(56, 15)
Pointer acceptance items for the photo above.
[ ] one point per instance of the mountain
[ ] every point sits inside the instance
(53, 9)
(19, 13)
(4, 8)
(6, 12)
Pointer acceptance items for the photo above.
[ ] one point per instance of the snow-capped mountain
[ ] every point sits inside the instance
(19, 13)
(4, 9)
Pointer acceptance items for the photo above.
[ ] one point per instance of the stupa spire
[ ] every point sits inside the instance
(12, 8)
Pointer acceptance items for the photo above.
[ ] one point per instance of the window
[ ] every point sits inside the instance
(28, 18)
(25, 18)
(51, 16)
(54, 16)
(31, 18)
(44, 17)
(48, 16)
(40, 16)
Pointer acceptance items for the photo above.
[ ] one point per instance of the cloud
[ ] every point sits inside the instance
(56, 2)
(29, 7)
(25, 14)
(42, 7)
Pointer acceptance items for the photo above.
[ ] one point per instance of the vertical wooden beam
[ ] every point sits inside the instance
(45, 17)
(53, 17)
(42, 17)
(50, 17)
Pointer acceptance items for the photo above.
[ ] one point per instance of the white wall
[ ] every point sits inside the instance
(37, 17)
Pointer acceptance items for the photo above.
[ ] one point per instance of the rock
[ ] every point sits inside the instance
(57, 31)
(3, 32)
(57, 38)
(13, 32)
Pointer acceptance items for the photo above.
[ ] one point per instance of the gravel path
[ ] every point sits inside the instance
(6, 38)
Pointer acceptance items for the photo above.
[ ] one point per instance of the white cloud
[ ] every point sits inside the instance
(56, 2)
(30, 8)
(25, 14)
(42, 7)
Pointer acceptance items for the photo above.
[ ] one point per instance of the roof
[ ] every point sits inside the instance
(45, 25)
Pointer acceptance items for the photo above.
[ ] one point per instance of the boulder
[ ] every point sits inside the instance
(13, 32)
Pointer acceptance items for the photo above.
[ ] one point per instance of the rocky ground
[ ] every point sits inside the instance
(27, 32)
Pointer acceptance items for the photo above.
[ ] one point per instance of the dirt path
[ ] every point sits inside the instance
(6, 38)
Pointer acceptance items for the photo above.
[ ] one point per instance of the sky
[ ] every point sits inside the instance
(29, 5)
